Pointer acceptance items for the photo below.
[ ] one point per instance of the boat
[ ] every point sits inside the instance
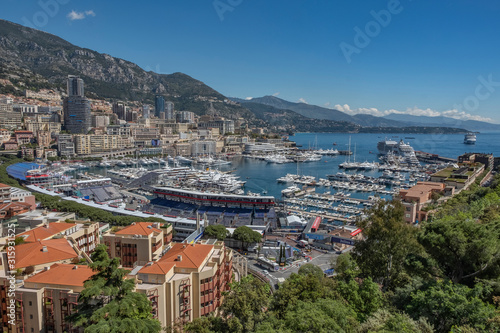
(470, 138)
(398, 150)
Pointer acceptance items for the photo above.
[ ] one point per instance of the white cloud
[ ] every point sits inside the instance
(248, 98)
(276, 94)
(327, 104)
(301, 100)
(414, 111)
(74, 15)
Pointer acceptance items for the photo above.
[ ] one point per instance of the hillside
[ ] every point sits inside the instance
(472, 125)
(43, 54)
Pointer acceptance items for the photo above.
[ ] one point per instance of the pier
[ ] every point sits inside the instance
(433, 158)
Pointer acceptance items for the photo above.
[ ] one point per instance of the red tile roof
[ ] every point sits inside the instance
(31, 254)
(45, 232)
(192, 256)
(138, 228)
(63, 274)
(161, 268)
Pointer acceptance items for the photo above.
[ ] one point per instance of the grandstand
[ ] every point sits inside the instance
(227, 216)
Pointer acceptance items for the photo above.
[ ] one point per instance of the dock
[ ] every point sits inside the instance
(433, 158)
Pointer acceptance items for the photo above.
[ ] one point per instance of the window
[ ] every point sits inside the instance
(31, 316)
(408, 215)
(30, 303)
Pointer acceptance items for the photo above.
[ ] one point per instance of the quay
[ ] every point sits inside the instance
(325, 216)
(433, 158)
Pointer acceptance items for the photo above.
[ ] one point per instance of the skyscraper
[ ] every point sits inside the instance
(169, 110)
(75, 86)
(77, 118)
(159, 105)
(145, 111)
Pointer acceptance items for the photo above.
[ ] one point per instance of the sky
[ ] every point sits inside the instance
(419, 57)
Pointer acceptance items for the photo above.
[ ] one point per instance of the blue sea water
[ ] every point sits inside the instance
(261, 176)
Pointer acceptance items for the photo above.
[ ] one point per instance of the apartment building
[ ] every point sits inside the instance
(188, 281)
(91, 144)
(82, 235)
(416, 198)
(45, 299)
(138, 243)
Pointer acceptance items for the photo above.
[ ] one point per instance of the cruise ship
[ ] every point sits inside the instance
(401, 150)
(470, 138)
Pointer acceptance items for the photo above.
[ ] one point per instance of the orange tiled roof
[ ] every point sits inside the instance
(43, 232)
(138, 228)
(4, 185)
(63, 274)
(159, 267)
(29, 254)
(192, 256)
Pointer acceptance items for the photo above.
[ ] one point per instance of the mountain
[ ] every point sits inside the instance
(318, 112)
(471, 125)
(25, 50)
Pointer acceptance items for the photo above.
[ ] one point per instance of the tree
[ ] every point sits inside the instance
(463, 249)
(388, 241)
(311, 269)
(446, 304)
(307, 288)
(246, 235)
(217, 231)
(108, 302)
(245, 304)
(384, 321)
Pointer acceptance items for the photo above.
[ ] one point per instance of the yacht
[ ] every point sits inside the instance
(470, 138)
(400, 149)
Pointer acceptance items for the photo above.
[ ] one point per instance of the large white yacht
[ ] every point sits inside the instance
(470, 138)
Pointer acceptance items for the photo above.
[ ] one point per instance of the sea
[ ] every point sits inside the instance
(260, 176)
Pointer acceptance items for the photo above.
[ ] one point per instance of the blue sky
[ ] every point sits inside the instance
(422, 57)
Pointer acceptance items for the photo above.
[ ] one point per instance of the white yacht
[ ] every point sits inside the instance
(470, 138)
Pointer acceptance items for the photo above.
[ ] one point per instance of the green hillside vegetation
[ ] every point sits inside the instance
(441, 277)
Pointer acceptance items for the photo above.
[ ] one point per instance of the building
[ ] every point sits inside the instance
(100, 121)
(46, 298)
(23, 137)
(185, 117)
(188, 281)
(37, 218)
(82, 235)
(145, 111)
(143, 136)
(122, 130)
(138, 243)
(10, 119)
(203, 148)
(119, 110)
(159, 105)
(40, 254)
(24, 109)
(470, 158)
(92, 144)
(65, 145)
(43, 139)
(77, 117)
(460, 177)
(44, 94)
(43, 122)
(259, 147)
(415, 199)
(224, 126)
(169, 110)
(75, 86)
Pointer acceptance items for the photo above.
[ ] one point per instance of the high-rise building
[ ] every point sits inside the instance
(77, 117)
(169, 110)
(184, 117)
(75, 86)
(145, 111)
(120, 110)
(159, 105)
